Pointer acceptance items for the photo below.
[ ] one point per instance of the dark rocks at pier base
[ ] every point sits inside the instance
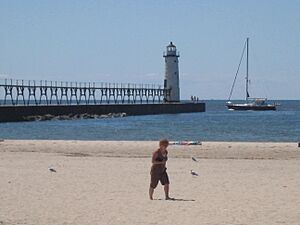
(73, 116)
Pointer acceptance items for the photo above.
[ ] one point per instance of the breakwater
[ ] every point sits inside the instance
(22, 113)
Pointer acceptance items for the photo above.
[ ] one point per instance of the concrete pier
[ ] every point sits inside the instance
(21, 113)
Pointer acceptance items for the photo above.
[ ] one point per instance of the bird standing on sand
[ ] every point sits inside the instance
(51, 169)
(194, 173)
(194, 159)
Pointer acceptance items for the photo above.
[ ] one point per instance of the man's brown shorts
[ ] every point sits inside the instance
(162, 177)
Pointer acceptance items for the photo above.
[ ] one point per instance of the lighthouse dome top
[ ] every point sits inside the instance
(171, 47)
(171, 50)
(171, 44)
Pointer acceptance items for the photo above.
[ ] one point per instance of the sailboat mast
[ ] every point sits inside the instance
(247, 71)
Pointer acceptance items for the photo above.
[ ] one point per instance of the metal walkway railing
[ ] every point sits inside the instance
(31, 92)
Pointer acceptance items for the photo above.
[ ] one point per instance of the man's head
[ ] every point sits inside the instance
(163, 143)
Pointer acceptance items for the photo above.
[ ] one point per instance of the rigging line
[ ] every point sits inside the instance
(242, 56)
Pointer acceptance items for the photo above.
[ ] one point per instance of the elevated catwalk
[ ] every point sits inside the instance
(31, 92)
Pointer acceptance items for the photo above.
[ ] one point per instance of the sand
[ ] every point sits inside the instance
(106, 182)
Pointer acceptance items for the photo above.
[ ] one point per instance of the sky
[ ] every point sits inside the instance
(123, 42)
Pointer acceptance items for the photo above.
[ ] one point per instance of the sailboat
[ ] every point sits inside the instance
(250, 103)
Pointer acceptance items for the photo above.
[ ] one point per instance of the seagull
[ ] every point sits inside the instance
(194, 173)
(194, 159)
(51, 169)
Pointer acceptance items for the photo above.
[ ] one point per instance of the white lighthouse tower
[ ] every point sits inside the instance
(171, 80)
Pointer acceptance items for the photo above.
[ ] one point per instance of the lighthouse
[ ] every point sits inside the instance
(171, 80)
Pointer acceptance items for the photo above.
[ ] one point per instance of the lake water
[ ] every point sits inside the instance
(216, 124)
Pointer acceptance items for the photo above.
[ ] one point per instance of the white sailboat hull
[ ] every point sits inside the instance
(250, 106)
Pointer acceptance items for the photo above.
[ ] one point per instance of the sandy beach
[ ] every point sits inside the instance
(106, 182)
